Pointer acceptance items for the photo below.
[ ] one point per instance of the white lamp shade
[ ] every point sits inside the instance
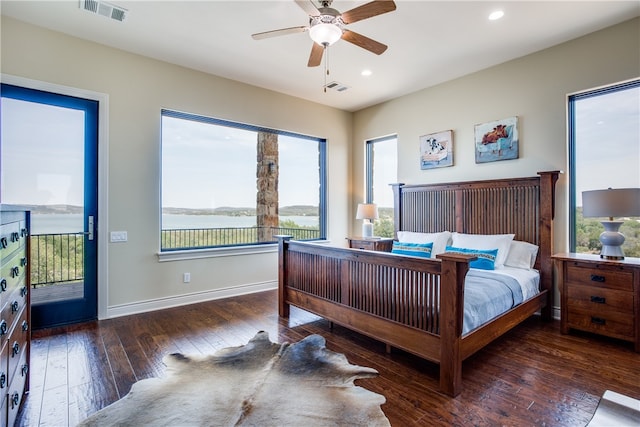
(325, 34)
(620, 202)
(367, 211)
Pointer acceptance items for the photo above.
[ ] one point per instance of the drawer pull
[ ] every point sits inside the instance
(23, 262)
(597, 278)
(25, 325)
(598, 300)
(24, 370)
(15, 306)
(3, 327)
(15, 400)
(3, 242)
(24, 232)
(15, 272)
(3, 380)
(15, 349)
(23, 291)
(15, 236)
(598, 320)
(3, 285)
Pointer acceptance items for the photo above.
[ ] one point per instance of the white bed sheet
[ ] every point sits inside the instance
(529, 280)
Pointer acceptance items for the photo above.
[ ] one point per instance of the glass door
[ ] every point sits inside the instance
(49, 164)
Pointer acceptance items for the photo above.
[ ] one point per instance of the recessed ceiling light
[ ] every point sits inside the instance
(366, 73)
(496, 15)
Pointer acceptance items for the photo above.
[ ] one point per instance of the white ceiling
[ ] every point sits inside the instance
(429, 41)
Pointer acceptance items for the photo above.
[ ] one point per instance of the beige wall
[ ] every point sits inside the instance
(138, 88)
(533, 87)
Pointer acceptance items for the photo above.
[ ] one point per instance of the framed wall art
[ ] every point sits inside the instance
(497, 140)
(436, 150)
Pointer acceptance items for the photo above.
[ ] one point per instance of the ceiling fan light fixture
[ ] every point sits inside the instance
(325, 33)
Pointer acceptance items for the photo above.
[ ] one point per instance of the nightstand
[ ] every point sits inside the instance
(382, 244)
(600, 296)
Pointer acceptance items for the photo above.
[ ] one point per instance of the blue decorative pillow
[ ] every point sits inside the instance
(414, 249)
(486, 257)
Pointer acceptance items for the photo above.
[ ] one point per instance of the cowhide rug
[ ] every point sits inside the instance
(258, 384)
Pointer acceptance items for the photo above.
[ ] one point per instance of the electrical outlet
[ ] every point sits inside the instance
(186, 277)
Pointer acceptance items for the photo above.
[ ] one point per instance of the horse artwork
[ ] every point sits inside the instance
(497, 140)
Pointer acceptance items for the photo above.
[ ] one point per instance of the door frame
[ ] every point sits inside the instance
(103, 173)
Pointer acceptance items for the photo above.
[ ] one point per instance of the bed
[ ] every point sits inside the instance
(417, 304)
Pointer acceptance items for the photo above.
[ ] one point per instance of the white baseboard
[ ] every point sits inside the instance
(180, 300)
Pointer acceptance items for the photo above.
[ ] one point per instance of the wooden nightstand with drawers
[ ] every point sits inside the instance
(600, 296)
(382, 244)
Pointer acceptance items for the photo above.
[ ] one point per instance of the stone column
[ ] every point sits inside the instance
(267, 183)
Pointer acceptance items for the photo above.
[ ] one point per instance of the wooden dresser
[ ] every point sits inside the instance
(15, 329)
(600, 296)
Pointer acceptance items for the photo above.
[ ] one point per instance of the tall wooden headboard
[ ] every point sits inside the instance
(522, 206)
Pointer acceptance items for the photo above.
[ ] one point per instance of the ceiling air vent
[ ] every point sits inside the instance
(105, 9)
(338, 87)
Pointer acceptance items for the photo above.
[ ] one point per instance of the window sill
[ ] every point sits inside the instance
(221, 252)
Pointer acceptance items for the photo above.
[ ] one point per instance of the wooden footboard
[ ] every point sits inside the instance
(409, 303)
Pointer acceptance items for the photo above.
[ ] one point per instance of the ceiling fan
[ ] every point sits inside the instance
(327, 26)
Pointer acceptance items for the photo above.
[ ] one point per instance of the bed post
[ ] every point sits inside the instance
(453, 272)
(397, 207)
(547, 213)
(283, 306)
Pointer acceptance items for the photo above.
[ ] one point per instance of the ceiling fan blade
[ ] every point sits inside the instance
(316, 55)
(308, 7)
(280, 32)
(368, 10)
(364, 42)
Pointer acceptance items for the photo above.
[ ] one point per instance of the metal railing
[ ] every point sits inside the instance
(197, 238)
(59, 258)
(56, 258)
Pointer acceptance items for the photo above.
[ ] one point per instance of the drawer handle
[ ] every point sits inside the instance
(23, 262)
(3, 380)
(15, 236)
(15, 272)
(596, 278)
(3, 327)
(24, 370)
(598, 320)
(23, 291)
(15, 349)
(24, 232)
(3, 285)
(25, 325)
(598, 300)
(15, 306)
(15, 400)
(3, 242)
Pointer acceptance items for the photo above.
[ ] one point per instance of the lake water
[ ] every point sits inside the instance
(72, 223)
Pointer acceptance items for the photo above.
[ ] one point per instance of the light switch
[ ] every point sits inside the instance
(118, 236)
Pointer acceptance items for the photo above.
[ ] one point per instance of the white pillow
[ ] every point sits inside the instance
(501, 242)
(522, 255)
(440, 240)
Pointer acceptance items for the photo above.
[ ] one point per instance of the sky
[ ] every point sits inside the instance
(42, 149)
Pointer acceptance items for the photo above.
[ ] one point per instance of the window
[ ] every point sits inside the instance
(381, 170)
(231, 184)
(604, 152)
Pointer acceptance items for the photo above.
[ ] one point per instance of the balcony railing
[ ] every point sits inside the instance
(59, 258)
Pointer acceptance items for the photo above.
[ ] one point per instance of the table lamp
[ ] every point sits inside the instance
(367, 212)
(610, 203)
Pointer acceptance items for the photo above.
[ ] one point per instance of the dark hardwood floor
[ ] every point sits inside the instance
(531, 376)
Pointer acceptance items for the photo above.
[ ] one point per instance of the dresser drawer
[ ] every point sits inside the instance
(16, 389)
(600, 299)
(18, 342)
(12, 237)
(13, 306)
(601, 276)
(12, 273)
(604, 322)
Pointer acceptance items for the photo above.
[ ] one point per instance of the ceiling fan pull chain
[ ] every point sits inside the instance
(326, 67)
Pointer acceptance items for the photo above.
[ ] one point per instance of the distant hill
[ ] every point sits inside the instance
(298, 210)
(53, 209)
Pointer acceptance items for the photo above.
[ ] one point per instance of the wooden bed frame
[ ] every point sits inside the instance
(395, 298)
